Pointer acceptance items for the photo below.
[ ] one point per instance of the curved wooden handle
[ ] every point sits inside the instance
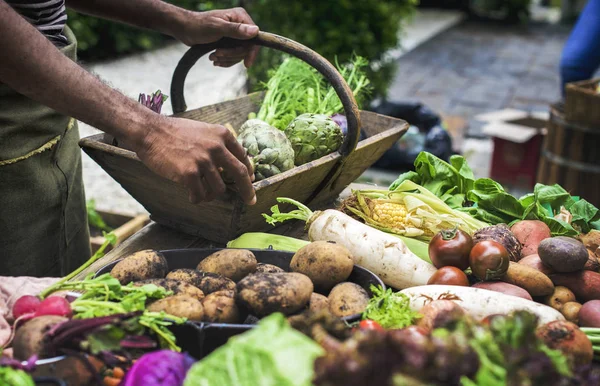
(282, 44)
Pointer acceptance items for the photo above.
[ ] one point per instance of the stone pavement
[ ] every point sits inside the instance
(478, 67)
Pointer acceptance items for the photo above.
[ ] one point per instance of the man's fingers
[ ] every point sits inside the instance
(240, 174)
(215, 182)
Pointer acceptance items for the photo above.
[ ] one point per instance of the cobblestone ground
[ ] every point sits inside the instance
(478, 67)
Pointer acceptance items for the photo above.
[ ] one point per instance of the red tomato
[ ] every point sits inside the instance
(450, 248)
(368, 324)
(449, 276)
(489, 260)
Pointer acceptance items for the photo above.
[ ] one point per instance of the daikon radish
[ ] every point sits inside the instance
(383, 254)
(479, 302)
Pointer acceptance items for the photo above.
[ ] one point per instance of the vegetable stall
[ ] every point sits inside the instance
(438, 279)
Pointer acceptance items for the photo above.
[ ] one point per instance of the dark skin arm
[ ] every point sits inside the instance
(186, 26)
(182, 150)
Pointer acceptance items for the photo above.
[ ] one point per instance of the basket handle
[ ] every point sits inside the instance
(288, 46)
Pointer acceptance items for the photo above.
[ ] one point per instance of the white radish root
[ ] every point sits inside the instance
(383, 254)
(478, 302)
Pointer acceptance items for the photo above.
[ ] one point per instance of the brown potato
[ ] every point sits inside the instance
(268, 268)
(232, 263)
(178, 287)
(559, 297)
(530, 279)
(266, 293)
(220, 307)
(182, 306)
(318, 302)
(147, 264)
(30, 338)
(325, 263)
(347, 299)
(208, 282)
(570, 311)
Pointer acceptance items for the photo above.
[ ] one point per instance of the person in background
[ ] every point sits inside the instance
(43, 221)
(581, 54)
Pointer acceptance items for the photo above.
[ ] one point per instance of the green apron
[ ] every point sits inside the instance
(43, 220)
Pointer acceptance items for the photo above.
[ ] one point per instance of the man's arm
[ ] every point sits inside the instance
(186, 26)
(182, 150)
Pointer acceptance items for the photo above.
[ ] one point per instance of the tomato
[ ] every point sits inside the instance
(489, 260)
(450, 248)
(449, 276)
(368, 324)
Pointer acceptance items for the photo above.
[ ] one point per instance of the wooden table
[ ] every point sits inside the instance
(156, 236)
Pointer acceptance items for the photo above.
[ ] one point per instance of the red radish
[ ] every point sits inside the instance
(54, 305)
(27, 304)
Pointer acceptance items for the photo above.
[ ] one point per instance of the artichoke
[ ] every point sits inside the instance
(268, 148)
(313, 136)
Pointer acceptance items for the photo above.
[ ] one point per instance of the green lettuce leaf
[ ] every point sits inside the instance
(448, 181)
(273, 353)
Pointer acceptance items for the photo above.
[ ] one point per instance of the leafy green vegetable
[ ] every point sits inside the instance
(510, 353)
(110, 238)
(104, 296)
(14, 377)
(390, 309)
(296, 88)
(488, 201)
(94, 217)
(272, 353)
(449, 181)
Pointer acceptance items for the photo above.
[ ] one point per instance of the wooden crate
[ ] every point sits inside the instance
(228, 217)
(582, 103)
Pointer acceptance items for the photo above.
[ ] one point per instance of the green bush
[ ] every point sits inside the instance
(333, 29)
(102, 39)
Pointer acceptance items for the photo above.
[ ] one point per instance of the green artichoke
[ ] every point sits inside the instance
(268, 148)
(313, 136)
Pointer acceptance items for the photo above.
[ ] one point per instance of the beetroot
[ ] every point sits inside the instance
(54, 305)
(27, 304)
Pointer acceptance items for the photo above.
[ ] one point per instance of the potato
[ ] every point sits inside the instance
(268, 268)
(584, 284)
(220, 307)
(505, 288)
(147, 264)
(347, 299)
(325, 263)
(533, 281)
(530, 234)
(318, 302)
(561, 296)
(178, 287)
(535, 262)
(570, 311)
(30, 338)
(232, 263)
(207, 282)
(183, 306)
(589, 314)
(563, 254)
(266, 293)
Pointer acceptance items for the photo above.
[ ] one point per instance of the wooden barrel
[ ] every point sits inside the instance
(571, 157)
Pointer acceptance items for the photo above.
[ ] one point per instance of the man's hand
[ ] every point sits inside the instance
(191, 153)
(210, 26)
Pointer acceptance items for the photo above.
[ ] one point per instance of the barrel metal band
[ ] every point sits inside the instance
(574, 126)
(570, 163)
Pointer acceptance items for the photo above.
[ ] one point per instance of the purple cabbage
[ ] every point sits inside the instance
(159, 368)
(341, 121)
